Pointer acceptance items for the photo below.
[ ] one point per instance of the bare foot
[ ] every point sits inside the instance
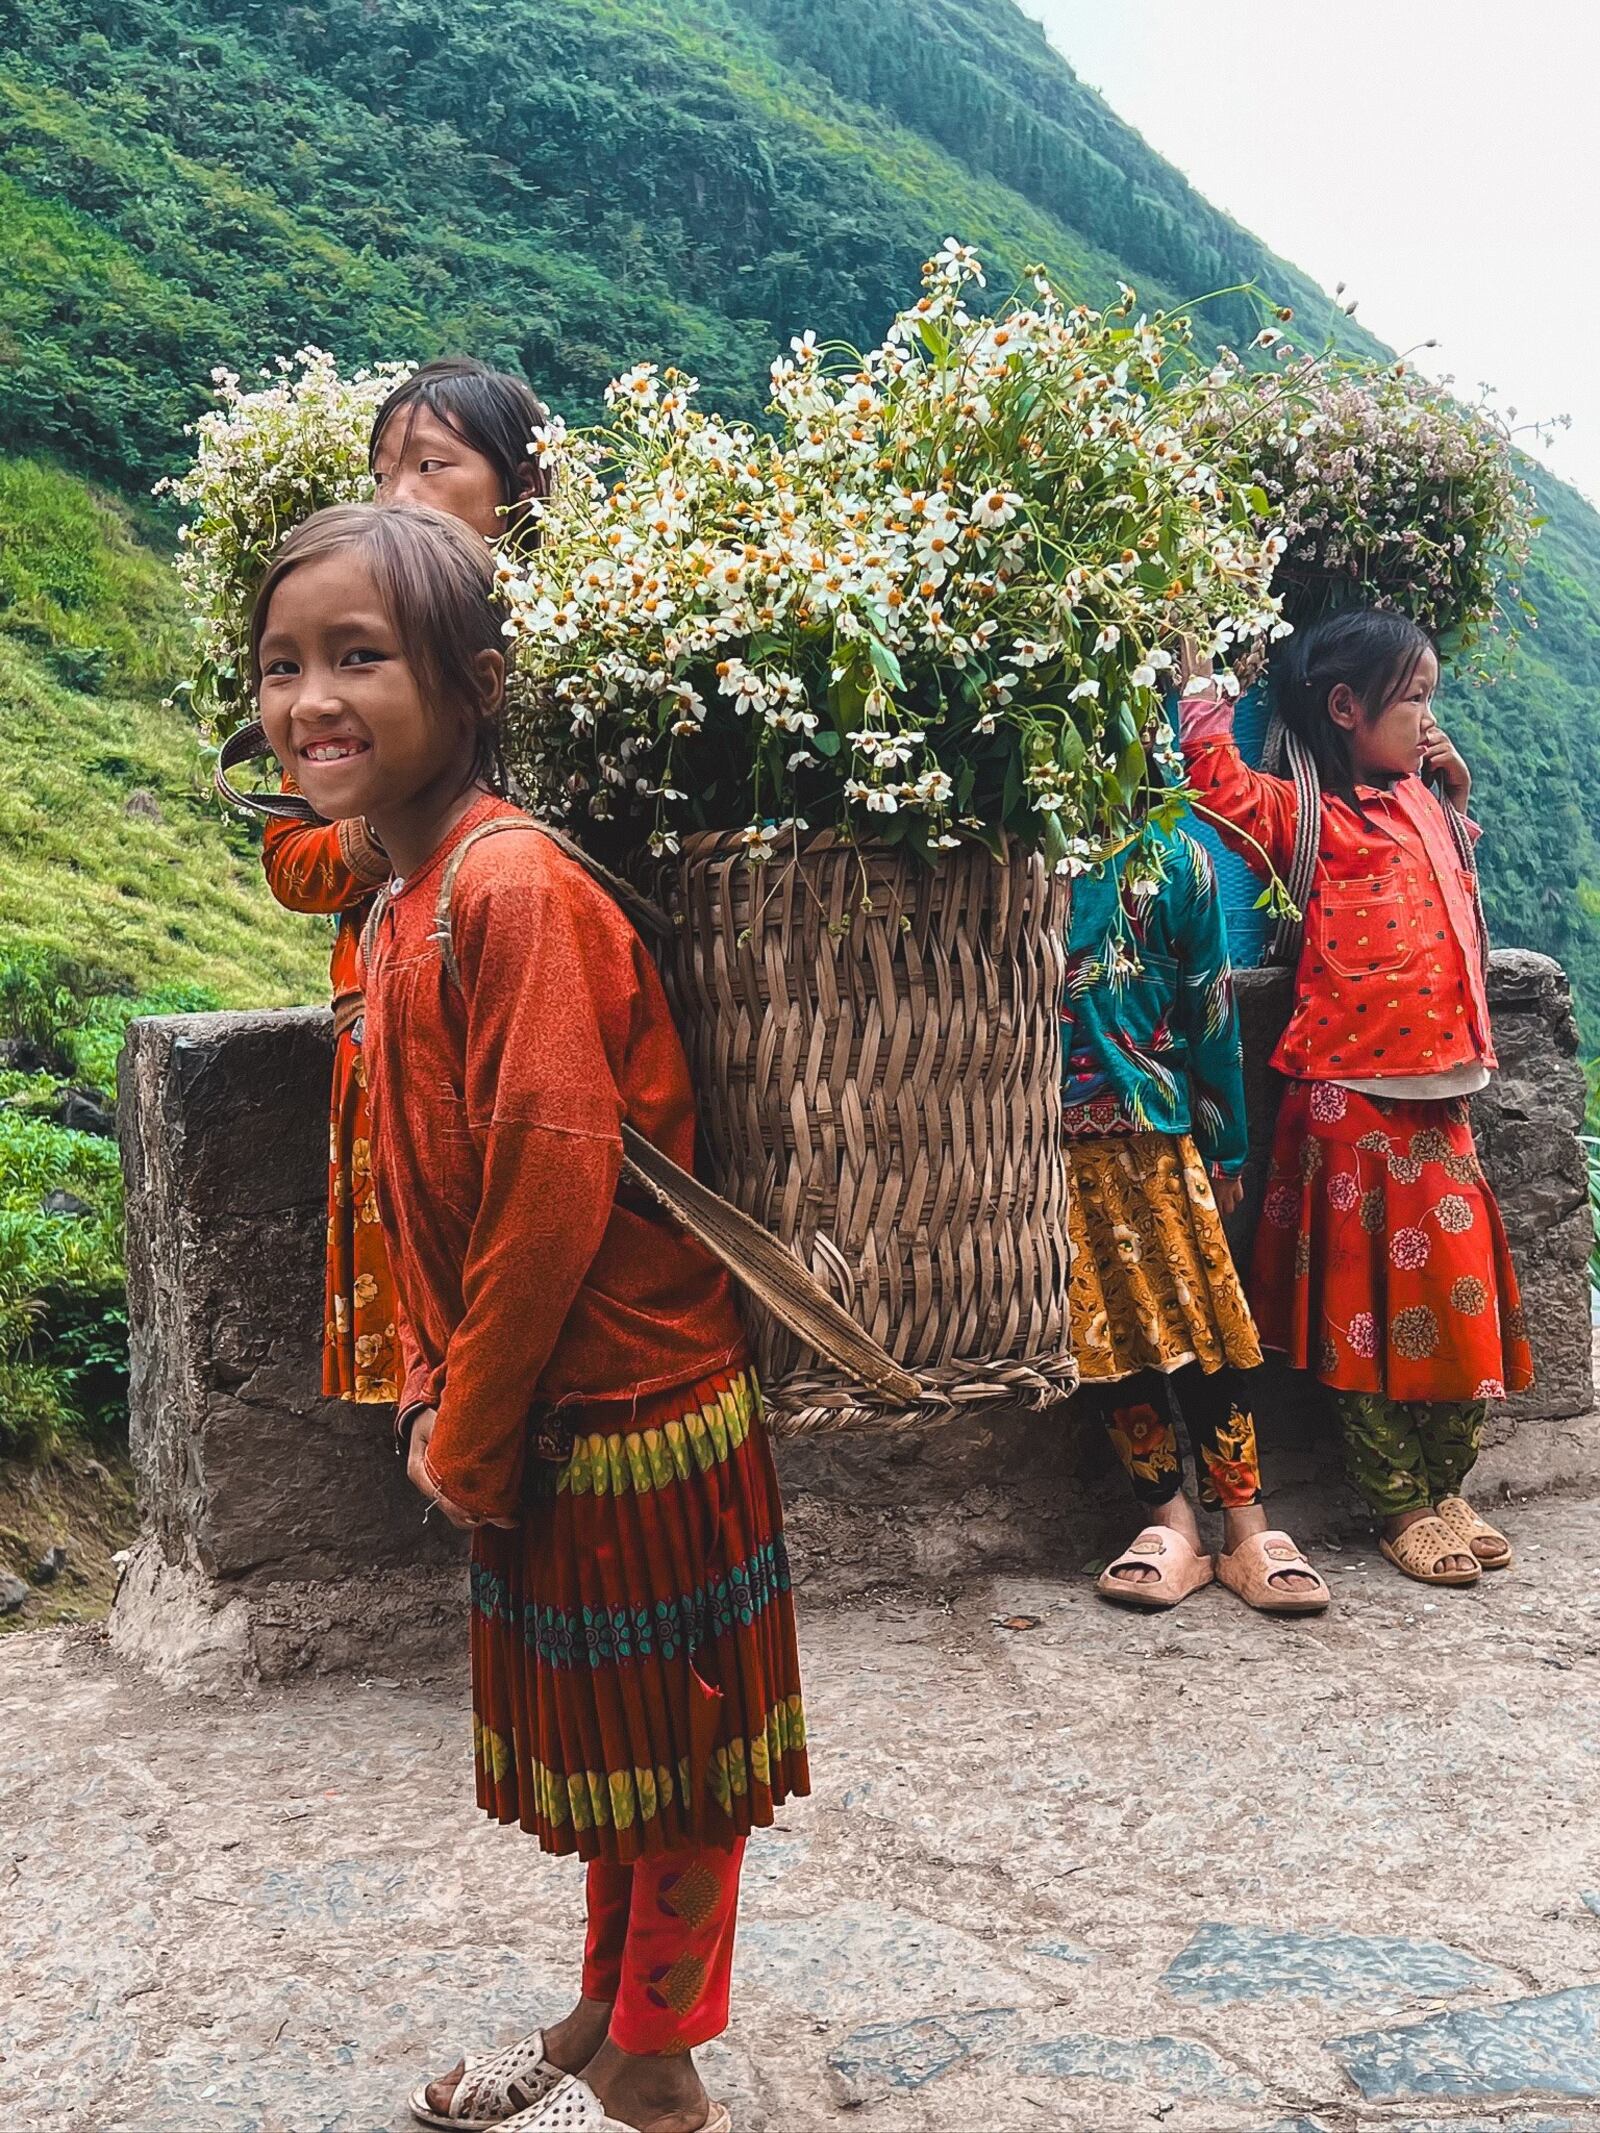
(1238, 1524)
(1394, 1527)
(1177, 1514)
(570, 2044)
(657, 2093)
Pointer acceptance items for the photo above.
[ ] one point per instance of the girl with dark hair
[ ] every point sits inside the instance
(1380, 1261)
(577, 1389)
(460, 437)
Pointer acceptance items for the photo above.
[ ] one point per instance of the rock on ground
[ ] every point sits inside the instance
(1065, 1868)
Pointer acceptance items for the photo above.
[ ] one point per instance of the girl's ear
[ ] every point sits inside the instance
(527, 481)
(1344, 706)
(489, 672)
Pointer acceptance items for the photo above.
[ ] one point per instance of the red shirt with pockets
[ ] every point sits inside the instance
(1390, 983)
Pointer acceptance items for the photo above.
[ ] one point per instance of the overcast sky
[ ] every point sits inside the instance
(1442, 157)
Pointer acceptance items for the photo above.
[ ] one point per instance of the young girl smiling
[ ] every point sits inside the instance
(577, 1390)
(457, 436)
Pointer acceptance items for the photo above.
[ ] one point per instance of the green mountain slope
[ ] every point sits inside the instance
(567, 186)
(114, 859)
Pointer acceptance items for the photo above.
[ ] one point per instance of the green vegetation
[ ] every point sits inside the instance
(122, 891)
(563, 186)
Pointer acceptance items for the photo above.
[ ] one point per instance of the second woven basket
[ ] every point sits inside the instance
(876, 1049)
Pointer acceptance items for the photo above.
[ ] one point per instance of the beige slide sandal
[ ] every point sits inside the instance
(1254, 1570)
(1423, 1547)
(575, 2108)
(493, 2088)
(1182, 1570)
(1487, 1543)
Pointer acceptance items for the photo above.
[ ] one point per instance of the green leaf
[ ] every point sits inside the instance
(826, 743)
(1055, 839)
(1070, 749)
(884, 664)
(1011, 791)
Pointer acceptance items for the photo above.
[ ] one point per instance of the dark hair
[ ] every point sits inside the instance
(1373, 650)
(435, 578)
(490, 410)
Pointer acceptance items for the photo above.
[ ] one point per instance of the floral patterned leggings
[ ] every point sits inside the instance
(1138, 1414)
(1405, 1455)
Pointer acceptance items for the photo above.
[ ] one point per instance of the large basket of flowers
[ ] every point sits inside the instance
(868, 689)
(1385, 488)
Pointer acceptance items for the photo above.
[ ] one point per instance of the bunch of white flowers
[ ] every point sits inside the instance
(265, 459)
(1386, 488)
(939, 600)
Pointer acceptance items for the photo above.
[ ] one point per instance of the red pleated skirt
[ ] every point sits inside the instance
(635, 1679)
(1381, 1262)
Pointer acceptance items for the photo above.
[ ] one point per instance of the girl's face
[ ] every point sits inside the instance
(340, 700)
(1389, 744)
(420, 459)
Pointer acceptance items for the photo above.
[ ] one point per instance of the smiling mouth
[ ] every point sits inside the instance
(332, 751)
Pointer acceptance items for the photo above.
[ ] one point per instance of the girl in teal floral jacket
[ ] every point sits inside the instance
(1153, 1095)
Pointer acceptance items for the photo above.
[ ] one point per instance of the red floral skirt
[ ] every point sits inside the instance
(360, 1349)
(635, 1681)
(1381, 1262)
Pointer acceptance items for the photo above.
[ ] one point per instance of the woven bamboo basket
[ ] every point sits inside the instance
(877, 1051)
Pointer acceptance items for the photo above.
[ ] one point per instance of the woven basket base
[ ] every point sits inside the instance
(801, 1405)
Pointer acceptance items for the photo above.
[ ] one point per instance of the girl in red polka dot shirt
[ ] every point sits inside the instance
(1380, 1263)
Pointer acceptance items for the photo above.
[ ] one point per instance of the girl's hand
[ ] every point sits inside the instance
(1227, 1192)
(1193, 672)
(417, 1474)
(1442, 762)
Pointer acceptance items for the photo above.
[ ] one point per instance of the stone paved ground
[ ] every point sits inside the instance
(1064, 1869)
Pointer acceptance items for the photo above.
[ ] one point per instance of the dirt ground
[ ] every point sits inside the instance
(1063, 1868)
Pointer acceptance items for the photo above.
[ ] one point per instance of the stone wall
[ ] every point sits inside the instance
(280, 1530)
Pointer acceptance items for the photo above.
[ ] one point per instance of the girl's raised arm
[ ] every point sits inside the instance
(1255, 814)
(321, 866)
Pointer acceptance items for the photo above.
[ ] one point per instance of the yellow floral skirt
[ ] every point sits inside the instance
(1153, 1281)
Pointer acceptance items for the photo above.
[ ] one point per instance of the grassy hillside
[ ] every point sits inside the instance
(113, 856)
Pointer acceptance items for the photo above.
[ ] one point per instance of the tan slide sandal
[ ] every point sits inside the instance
(1182, 1570)
(1484, 1541)
(493, 2088)
(1256, 1568)
(1421, 1549)
(575, 2108)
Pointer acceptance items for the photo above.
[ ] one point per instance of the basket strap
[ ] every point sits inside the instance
(248, 745)
(752, 1255)
(1467, 853)
(1289, 933)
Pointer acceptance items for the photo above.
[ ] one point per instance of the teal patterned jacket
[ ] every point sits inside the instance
(1149, 1024)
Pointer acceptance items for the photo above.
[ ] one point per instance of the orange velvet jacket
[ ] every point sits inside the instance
(1389, 983)
(525, 1278)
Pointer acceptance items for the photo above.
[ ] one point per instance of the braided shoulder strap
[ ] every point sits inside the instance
(1284, 753)
(755, 1258)
(248, 745)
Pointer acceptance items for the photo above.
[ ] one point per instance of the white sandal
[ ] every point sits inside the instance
(573, 2107)
(495, 2090)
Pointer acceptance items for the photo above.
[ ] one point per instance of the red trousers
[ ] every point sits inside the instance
(660, 1946)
